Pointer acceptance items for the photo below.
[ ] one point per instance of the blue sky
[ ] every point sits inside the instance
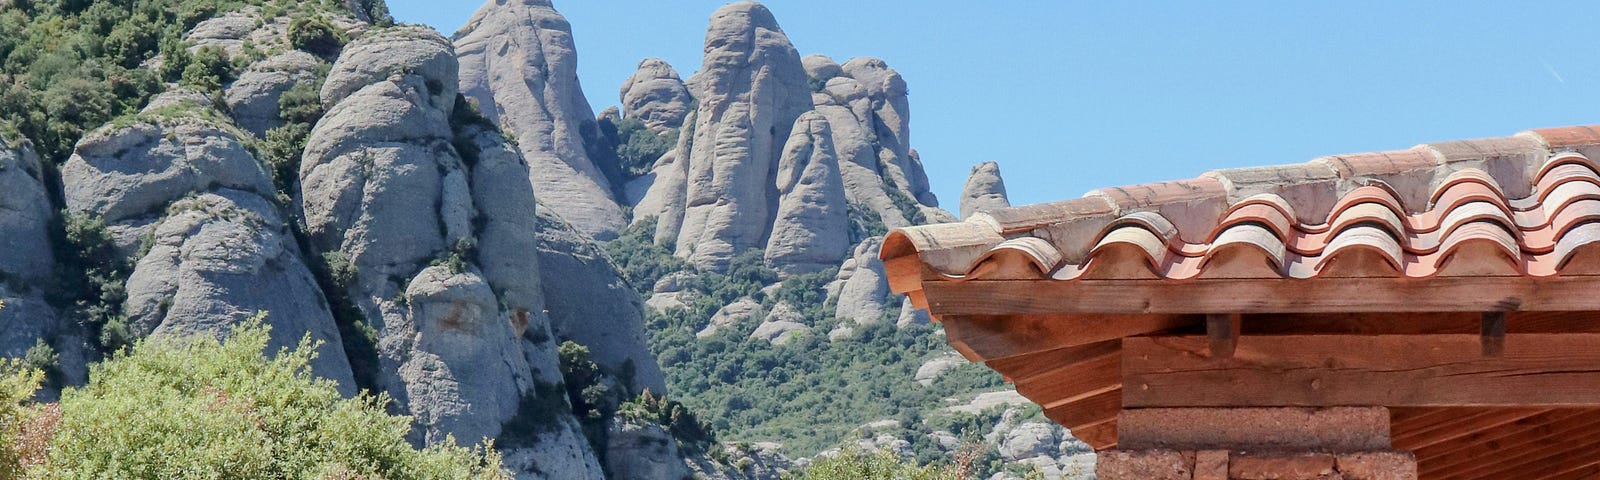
(1072, 96)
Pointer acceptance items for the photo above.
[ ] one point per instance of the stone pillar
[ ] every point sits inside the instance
(1346, 443)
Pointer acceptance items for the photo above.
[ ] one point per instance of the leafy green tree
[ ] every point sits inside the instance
(17, 385)
(207, 409)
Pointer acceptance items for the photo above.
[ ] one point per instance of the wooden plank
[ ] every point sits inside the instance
(1089, 412)
(1003, 336)
(1466, 423)
(1545, 431)
(1557, 370)
(1100, 437)
(1024, 367)
(1223, 330)
(1493, 331)
(1075, 382)
(1412, 323)
(1572, 451)
(1320, 295)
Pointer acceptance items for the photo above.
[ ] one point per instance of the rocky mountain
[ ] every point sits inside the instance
(687, 285)
(520, 65)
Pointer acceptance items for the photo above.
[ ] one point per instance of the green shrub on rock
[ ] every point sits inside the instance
(203, 408)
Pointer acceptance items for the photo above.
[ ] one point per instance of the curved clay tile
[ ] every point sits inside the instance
(1564, 158)
(1560, 174)
(1269, 199)
(1369, 214)
(1130, 252)
(1578, 252)
(1374, 192)
(947, 248)
(1246, 250)
(1567, 193)
(1472, 213)
(1466, 175)
(1361, 251)
(1478, 249)
(1025, 258)
(1258, 213)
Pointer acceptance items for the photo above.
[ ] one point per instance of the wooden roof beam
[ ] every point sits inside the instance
(1345, 370)
(1317, 295)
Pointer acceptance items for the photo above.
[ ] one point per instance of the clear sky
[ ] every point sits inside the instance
(1072, 96)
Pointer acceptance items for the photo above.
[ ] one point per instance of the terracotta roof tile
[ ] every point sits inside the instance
(1522, 205)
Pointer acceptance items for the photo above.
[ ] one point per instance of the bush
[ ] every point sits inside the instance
(641, 261)
(17, 385)
(200, 408)
(209, 69)
(853, 464)
(638, 147)
(315, 35)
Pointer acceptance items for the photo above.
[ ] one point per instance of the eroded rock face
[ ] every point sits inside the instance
(865, 295)
(28, 262)
(519, 62)
(25, 215)
(811, 231)
(128, 174)
(439, 242)
(751, 88)
(179, 182)
(221, 257)
(643, 452)
(985, 190)
(891, 113)
(589, 303)
(253, 98)
(656, 96)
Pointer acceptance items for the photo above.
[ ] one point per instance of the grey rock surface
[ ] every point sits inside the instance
(911, 315)
(985, 190)
(253, 98)
(820, 68)
(27, 262)
(409, 50)
(128, 174)
(811, 229)
(865, 295)
(219, 258)
(439, 245)
(891, 112)
(751, 88)
(519, 62)
(25, 215)
(656, 96)
(931, 369)
(591, 304)
(739, 311)
(667, 194)
(179, 186)
(637, 451)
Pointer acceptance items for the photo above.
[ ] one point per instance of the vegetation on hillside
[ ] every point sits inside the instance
(202, 408)
(810, 393)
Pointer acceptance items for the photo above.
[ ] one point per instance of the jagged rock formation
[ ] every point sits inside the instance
(811, 232)
(589, 303)
(253, 98)
(519, 63)
(985, 190)
(185, 198)
(751, 89)
(656, 96)
(463, 343)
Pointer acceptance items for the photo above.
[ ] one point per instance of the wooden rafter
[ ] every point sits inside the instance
(1340, 370)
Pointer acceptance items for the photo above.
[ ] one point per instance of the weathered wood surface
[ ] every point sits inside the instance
(1003, 336)
(1318, 295)
(1548, 370)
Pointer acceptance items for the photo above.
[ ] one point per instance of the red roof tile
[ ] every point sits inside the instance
(1521, 205)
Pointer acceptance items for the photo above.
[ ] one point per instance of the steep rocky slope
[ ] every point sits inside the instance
(519, 63)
